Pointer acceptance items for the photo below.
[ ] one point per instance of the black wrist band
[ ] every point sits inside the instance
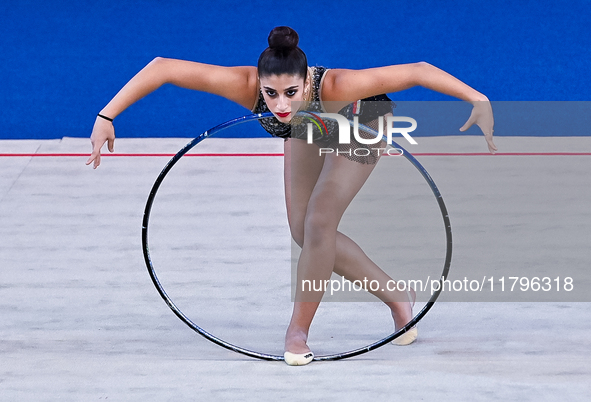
(105, 117)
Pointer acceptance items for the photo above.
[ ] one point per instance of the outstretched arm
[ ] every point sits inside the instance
(238, 84)
(350, 85)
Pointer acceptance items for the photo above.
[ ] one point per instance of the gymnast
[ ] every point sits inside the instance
(318, 186)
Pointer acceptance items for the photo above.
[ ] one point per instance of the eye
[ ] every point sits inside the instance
(271, 93)
(291, 92)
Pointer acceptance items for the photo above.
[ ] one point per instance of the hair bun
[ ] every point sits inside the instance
(283, 39)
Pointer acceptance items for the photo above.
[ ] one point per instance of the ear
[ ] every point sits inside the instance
(307, 84)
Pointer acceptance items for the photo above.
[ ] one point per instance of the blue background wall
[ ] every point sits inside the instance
(63, 60)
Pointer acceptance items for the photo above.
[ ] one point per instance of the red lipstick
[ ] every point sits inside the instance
(283, 114)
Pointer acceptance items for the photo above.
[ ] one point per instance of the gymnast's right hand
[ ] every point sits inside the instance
(103, 131)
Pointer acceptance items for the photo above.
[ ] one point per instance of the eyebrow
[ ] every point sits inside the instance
(287, 89)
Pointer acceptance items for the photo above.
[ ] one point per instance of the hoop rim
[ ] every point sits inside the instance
(264, 356)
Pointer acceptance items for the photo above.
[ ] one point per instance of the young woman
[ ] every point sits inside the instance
(318, 187)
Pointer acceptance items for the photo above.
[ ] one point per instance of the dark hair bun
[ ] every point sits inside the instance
(283, 39)
(283, 56)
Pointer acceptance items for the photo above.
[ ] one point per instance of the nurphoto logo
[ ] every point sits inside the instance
(345, 124)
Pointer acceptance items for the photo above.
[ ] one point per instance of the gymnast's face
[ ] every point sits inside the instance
(280, 91)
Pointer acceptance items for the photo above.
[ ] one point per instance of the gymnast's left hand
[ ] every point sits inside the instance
(482, 116)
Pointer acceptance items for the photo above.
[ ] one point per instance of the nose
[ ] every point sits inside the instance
(283, 103)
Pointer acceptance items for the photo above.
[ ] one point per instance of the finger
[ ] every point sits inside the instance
(468, 124)
(111, 144)
(97, 161)
(93, 155)
(491, 145)
(492, 148)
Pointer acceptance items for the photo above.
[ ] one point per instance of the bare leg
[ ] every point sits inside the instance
(299, 184)
(352, 263)
(323, 187)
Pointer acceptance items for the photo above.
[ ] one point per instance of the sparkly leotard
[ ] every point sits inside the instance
(368, 110)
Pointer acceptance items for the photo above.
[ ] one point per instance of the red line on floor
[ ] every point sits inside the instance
(157, 155)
